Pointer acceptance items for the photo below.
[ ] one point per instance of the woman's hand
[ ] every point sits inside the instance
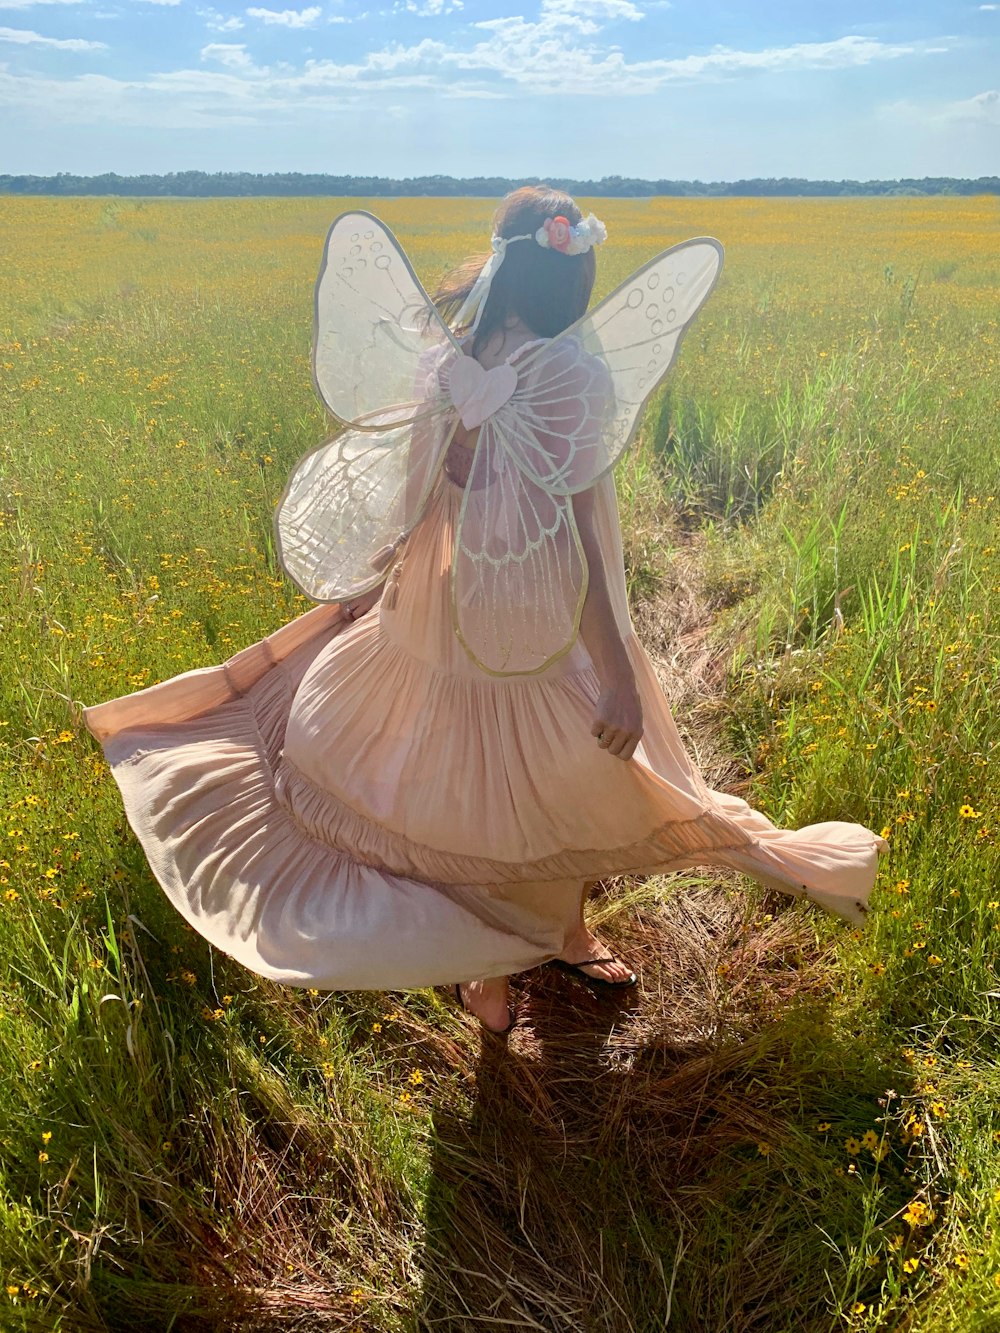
(618, 718)
(359, 606)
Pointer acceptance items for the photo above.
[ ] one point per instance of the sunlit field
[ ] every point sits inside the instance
(796, 1126)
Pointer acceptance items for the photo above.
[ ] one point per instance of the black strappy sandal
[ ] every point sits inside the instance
(597, 983)
(455, 991)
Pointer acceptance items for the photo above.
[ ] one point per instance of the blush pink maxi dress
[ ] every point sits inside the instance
(357, 805)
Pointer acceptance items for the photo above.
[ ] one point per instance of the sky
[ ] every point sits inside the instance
(675, 89)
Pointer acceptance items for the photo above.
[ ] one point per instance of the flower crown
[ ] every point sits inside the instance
(554, 234)
(558, 234)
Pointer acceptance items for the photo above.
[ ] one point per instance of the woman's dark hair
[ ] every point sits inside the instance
(548, 290)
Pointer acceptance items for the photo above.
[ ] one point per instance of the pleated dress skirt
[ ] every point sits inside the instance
(356, 805)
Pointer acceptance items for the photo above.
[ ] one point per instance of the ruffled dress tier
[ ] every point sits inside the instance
(357, 805)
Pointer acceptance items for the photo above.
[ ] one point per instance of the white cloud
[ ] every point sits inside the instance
(426, 9)
(287, 18)
(29, 4)
(548, 56)
(507, 57)
(988, 9)
(844, 53)
(162, 2)
(233, 56)
(982, 110)
(593, 9)
(23, 37)
(216, 22)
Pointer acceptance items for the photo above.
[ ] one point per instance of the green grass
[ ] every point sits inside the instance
(188, 1147)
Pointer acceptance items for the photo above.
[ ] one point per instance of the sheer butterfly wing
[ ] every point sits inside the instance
(609, 364)
(519, 574)
(378, 347)
(348, 503)
(373, 323)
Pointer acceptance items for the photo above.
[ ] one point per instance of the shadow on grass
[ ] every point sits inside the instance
(654, 1163)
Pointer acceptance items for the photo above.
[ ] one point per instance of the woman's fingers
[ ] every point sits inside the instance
(616, 740)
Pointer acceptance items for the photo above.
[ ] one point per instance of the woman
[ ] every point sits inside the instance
(421, 796)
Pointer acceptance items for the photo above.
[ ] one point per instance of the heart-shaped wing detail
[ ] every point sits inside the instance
(478, 393)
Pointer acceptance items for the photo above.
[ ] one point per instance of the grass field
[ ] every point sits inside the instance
(796, 1126)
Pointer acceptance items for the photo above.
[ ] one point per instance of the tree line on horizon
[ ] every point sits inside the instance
(201, 184)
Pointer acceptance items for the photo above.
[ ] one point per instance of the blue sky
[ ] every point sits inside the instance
(583, 88)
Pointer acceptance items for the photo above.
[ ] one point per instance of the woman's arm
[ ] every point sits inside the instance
(618, 718)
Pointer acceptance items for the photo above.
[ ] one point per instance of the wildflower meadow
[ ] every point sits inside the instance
(795, 1125)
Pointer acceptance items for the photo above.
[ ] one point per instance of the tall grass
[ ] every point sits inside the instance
(793, 1127)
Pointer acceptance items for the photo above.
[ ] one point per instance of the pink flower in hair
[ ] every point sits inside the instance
(557, 230)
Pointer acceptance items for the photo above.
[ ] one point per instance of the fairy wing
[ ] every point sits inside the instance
(378, 347)
(348, 504)
(373, 324)
(519, 573)
(609, 363)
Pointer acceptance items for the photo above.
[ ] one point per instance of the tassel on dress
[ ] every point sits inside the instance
(392, 587)
(381, 560)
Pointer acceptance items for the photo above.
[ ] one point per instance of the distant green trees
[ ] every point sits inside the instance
(201, 184)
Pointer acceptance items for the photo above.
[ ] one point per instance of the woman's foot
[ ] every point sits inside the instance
(583, 945)
(489, 1001)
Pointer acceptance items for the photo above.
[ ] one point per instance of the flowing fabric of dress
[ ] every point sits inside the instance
(370, 804)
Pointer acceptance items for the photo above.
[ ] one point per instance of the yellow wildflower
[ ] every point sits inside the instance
(918, 1214)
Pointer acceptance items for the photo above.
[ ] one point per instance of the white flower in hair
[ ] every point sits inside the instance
(597, 230)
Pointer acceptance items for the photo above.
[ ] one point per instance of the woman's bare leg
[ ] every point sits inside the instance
(552, 909)
(583, 943)
(489, 1000)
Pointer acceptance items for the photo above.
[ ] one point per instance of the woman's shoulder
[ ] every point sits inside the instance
(568, 359)
(565, 351)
